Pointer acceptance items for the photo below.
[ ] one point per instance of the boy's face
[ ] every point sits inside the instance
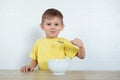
(52, 27)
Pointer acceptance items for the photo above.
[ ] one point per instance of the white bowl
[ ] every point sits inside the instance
(58, 66)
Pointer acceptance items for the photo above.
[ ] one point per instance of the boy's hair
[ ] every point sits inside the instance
(51, 13)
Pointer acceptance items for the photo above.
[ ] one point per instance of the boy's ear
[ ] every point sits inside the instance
(62, 27)
(41, 26)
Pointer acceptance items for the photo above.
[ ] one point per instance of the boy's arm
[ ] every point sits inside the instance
(30, 67)
(81, 53)
(32, 64)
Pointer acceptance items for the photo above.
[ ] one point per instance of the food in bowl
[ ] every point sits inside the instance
(58, 66)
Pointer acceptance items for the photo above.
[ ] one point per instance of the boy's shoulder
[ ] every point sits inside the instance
(63, 39)
(41, 39)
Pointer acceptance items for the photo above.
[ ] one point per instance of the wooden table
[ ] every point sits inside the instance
(70, 75)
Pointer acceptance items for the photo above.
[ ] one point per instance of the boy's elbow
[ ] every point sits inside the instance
(81, 56)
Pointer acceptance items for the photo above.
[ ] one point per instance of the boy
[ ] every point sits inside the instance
(53, 47)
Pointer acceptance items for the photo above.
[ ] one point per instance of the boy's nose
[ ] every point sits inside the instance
(52, 26)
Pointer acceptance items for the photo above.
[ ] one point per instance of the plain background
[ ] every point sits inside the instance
(96, 22)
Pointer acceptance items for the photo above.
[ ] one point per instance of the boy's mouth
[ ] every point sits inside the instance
(52, 31)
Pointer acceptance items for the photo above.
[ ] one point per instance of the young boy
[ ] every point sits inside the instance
(53, 47)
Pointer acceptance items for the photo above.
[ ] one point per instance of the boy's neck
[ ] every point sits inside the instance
(51, 37)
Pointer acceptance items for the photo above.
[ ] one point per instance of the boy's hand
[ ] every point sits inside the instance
(27, 69)
(77, 42)
(30, 67)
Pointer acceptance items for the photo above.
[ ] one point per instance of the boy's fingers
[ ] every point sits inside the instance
(77, 42)
(31, 68)
(23, 69)
(27, 69)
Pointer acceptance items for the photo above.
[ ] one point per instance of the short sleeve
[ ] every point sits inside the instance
(33, 53)
(70, 49)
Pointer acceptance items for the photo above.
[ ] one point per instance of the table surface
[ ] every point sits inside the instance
(70, 75)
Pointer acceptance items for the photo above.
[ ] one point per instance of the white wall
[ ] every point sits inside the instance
(96, 22)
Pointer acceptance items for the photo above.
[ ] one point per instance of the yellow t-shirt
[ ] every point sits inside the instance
(52, 48)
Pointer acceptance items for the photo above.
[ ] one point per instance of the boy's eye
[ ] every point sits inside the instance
(48, 24)
(56, 24)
